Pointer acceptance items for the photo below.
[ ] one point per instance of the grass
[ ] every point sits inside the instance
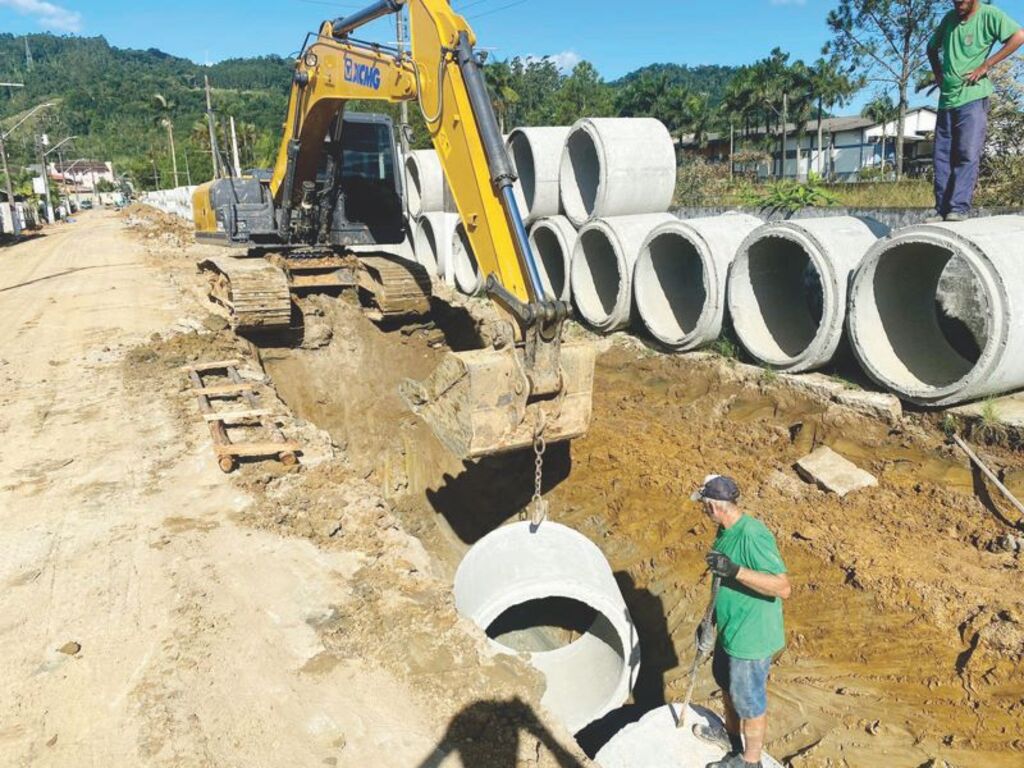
(725, 347)
(910, 193)
(989, 414)
(948, 425)
(769, 376)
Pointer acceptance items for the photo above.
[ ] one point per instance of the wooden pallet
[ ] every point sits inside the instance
(231, 388)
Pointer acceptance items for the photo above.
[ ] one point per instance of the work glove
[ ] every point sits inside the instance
(721, 565)
(706, 636)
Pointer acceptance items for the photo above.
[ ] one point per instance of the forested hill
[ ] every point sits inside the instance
(116, 101)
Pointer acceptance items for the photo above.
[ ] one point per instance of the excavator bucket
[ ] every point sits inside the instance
(477, 402)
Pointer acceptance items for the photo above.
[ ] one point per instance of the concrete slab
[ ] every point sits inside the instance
(833, 473)
(655, 742)
(1007, 410)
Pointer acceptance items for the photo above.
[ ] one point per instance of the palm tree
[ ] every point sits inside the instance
(832, 87)
(500, 80)
(165, 108)
(882, 110)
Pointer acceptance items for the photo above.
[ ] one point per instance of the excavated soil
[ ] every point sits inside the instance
(906, 625)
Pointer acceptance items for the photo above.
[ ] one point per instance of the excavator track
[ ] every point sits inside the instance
(254, 293)
(394, 287)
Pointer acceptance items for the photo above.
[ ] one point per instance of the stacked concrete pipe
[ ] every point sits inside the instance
(787, 288)
(553, 240)
(465, 270)
(617, 167)
(680, 277)
(518, 565)
(537, 156)
(424, 182)
(432, 243)
(601, 272)
(894, 318)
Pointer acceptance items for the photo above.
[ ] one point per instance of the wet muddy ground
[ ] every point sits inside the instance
(906, 626)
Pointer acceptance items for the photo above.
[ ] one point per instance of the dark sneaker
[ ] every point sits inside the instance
(715, 735)
(956, 216)
(733, 761)
(934, 217)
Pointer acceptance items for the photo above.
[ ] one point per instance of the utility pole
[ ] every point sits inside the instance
(7, 173)
(213, 130)
(785, 110)
(156, 175)
(43, 141)
(234, 148)
(188, 171)
(28, 55)
(732, 148)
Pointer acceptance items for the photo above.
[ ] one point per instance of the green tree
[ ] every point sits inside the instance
(884, 41)
(583, 94)
(882, 110)
(831, 86)
(500, 80)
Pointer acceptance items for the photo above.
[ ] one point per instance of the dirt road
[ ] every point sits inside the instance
(141, 623)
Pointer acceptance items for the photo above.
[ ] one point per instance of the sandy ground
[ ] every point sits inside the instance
(156, 612)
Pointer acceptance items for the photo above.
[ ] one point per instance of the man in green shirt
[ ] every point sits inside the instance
(748, 614)
(965, 38)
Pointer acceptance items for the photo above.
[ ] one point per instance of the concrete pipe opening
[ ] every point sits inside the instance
(467, 273)
(425, 184)
(536, 153)
(432, 243)
(616, 167)
(550, 593)
(935, 311)
(788, 286)
(680, 277)
(553, 240)
(425, 246)
(597, 276)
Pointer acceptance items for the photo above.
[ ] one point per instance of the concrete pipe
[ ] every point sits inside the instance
(553, 240)
(526, 587)
(617, 166)
(424, 182)
(654, 741)
(680, 277)
(787, 288)
(537, 156)
(908, 323)
(465, 270)
(601, 271)
(432, 243)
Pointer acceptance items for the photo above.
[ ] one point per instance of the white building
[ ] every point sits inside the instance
(82, 175)
(848, 146)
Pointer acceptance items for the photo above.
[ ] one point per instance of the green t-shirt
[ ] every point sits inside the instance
(965, 46)
(749, 624)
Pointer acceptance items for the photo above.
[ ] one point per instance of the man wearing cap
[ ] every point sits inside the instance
(748, 615)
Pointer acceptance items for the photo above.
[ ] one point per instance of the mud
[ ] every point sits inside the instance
(906, 626)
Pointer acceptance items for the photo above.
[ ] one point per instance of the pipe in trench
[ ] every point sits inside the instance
(537, 156)
(432, 244)
(909, 345)
(553, 240)
(601, 270)
(787, 288)
(511, 572)
(680, 277)
(616, 166)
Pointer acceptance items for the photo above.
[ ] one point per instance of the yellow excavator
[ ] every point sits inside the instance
(337, 184)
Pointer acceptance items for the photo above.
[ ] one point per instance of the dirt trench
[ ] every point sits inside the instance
(906, 628)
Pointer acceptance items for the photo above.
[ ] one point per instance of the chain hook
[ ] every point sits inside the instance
(540, 506)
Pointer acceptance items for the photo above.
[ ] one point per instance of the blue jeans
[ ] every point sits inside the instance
(959, 141)
(745, 680)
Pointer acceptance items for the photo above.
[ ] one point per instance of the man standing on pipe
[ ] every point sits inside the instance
(748, 614)
(965, 36)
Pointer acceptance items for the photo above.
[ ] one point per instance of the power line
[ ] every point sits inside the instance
(495, 10)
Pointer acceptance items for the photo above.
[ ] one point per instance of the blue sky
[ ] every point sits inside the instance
(616, 36)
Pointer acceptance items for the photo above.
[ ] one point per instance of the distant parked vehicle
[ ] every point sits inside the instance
(86, 205)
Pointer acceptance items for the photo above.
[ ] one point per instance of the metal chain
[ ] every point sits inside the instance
(540, 506)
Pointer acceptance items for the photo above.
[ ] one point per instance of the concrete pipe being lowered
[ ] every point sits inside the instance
(432, 243)
(425, 185)
(601, 271)
(532, 590)
(465, 269)
(617, 166)
(537, 156)
(788, 286)
(680, 277)
(907, 321)
(553, 240)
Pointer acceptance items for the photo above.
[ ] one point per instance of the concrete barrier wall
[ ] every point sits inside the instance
(176, 201)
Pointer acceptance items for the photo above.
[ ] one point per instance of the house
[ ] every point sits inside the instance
(82, 175)
(849, 145)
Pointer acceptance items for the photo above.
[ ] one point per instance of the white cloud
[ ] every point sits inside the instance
(49, 16)
(565, 61)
